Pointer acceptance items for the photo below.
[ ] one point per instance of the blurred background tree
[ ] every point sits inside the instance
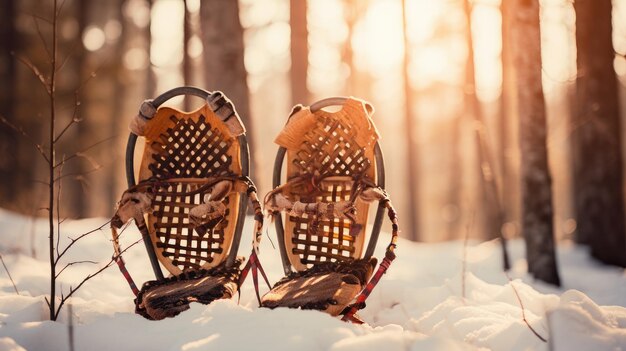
(438, 72)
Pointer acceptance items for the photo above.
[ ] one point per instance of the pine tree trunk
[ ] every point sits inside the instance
(598, 180)
(537, 211)
(222, 37)
(299, 52)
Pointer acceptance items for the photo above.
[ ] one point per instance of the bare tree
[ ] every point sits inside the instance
(598, 178)
(412, 156)
(299, 51)
(48, 80)
(537, 211)
(222, 39)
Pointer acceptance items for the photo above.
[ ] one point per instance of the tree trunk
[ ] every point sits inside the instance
(73, 190)
(121, 82)
(537, 212)
(412, 177)
(222, 37)
(599, 196)
(506, 106)
(8, 137)
(150, 88)
(299, 52)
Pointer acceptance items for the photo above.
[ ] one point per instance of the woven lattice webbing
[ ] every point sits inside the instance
(188, 146)
(332, 147)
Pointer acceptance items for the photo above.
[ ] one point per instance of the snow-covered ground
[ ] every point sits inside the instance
(419, 304)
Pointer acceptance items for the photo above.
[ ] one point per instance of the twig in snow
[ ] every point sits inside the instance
(9, 274)
(519, 299)
(64, 298)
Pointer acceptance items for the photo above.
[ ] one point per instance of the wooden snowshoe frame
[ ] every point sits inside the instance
(342, 144)
(183, 153)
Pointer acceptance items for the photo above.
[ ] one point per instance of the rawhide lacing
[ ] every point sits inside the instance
(136, 202)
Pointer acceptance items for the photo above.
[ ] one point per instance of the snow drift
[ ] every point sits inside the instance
(425, 302)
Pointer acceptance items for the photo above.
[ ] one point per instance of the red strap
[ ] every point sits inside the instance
(382, 268)
(129, 279)
(254, 264)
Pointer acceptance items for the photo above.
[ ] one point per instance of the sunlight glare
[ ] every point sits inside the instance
(276, 38)
(138, 11)
(558, 51)
(430, 64)
(487, 38)
(167, 35)
(328, 32)
(193, 6)
(261, 13)
(423, 16)
(378, 43)
(93, 38)
(195, 48)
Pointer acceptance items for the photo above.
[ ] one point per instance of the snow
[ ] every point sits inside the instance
(420, 304)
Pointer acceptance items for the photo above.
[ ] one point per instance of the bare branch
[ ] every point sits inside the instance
(35, 72)
(73, 241)
(77, 174)
(73, 263)
(74, 119)
(82, 152)
(41, 18)
(69, 54)
(58, 10)
(26, 136)
(519, 299)
(43, 41)
(9, 274)
(87, 278)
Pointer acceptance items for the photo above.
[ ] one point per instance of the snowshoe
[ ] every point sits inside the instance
(189, 202)
(334, 173)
